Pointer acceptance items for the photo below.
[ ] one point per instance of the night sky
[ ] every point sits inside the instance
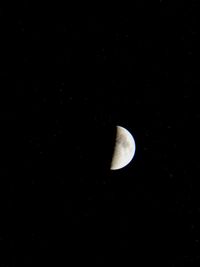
(68, 76)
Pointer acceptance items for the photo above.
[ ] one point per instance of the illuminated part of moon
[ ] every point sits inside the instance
(124, 150)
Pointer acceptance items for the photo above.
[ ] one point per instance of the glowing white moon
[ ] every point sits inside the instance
(124, 150)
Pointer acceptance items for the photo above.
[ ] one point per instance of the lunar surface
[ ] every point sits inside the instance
(124, 149)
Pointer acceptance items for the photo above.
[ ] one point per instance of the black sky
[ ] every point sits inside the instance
(68, 77)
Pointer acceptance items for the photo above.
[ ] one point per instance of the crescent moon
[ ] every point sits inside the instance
(124, 149)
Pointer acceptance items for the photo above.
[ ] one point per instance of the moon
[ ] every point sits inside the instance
(124, 149)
